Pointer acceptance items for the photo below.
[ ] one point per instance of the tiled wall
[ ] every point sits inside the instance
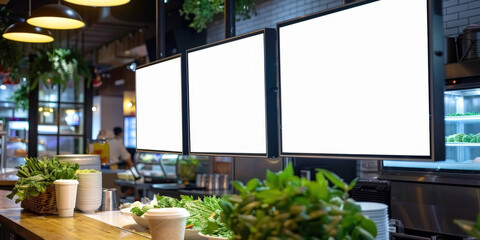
(269, 13)
(457, 15)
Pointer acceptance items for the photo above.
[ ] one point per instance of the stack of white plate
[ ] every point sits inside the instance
(378, 213)
(89, 192)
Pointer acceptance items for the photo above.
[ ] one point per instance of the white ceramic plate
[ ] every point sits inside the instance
(210, 237)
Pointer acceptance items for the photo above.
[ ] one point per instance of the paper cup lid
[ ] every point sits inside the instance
(167, 212)
(65, 181)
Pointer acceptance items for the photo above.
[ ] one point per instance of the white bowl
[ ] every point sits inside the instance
(142, 221)
(210, 237)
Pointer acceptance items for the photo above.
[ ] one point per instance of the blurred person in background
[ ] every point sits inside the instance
(118, 152)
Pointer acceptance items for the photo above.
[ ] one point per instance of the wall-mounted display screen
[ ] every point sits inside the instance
(227, 96)
(159, 105)
(355, 81)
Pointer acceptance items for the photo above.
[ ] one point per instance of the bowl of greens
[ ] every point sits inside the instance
(204, 214)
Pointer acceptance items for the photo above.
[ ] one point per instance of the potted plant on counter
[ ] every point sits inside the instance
(286, 206)
(34, 187)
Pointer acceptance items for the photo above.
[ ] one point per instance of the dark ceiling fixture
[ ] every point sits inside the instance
(56, 16)
(24, 32)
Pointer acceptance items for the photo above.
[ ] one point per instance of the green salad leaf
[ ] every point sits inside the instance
(205, 215)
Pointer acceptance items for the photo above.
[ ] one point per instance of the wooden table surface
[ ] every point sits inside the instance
(8, 179)
(31, 226)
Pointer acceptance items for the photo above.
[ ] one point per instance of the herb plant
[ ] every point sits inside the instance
(36, 175)
(286, 206)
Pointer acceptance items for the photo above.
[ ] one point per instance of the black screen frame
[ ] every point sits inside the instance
(436, 86)
(271, 94)
(184, 107)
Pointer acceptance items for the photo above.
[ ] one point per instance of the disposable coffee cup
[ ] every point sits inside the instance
(66, 193)
(167, 223)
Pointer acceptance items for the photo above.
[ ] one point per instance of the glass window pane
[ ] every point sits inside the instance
(20, 113)
(17, 148)
(7, 91)
(73, 92)
(47, 92)
(47, 146)
(71, 145)
(47, 118)
(6, 112)
(71, 118)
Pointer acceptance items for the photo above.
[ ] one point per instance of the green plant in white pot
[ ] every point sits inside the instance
(285, 206)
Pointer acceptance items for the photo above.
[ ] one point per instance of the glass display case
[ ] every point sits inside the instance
(157, 167)
(462, 136)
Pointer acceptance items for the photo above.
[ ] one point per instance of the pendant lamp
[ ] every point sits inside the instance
(99, 3)
(56, 16)
(24, 32)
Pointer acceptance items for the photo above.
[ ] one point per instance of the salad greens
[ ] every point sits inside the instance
(204, 214)
(36, 175)
(462, 137)
(285, 206)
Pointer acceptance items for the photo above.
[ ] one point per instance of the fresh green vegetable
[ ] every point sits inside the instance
(36, 175)
(140, 211)
(470, 227)
(204, 214)
(459, 137)
(463, 114)
(467, 138)
(285, 206)
(450, 139)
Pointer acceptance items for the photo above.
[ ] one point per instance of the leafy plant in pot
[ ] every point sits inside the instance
(34, 187)
(286, 206)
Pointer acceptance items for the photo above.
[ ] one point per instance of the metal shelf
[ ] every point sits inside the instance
(462, 144)
(462, 119)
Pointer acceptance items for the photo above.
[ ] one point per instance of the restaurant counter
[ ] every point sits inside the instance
(15, 223)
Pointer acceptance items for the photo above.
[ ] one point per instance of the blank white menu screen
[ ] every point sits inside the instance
(159, 106)
(227, 97)
(357, 81)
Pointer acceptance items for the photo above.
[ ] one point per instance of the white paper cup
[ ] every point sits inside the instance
(66, 193)
(167, 223)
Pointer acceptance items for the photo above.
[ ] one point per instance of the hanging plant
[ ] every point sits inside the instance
(201, 12)
(52, 67)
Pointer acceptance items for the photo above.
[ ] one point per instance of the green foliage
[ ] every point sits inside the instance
(204, 214)
(52, 67)
(201, 12)
(36, 175)
(20, 97)
(286, 206)
(470, 227)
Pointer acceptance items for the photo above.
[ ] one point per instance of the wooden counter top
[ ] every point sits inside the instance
(31, 226)
(8, 179)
